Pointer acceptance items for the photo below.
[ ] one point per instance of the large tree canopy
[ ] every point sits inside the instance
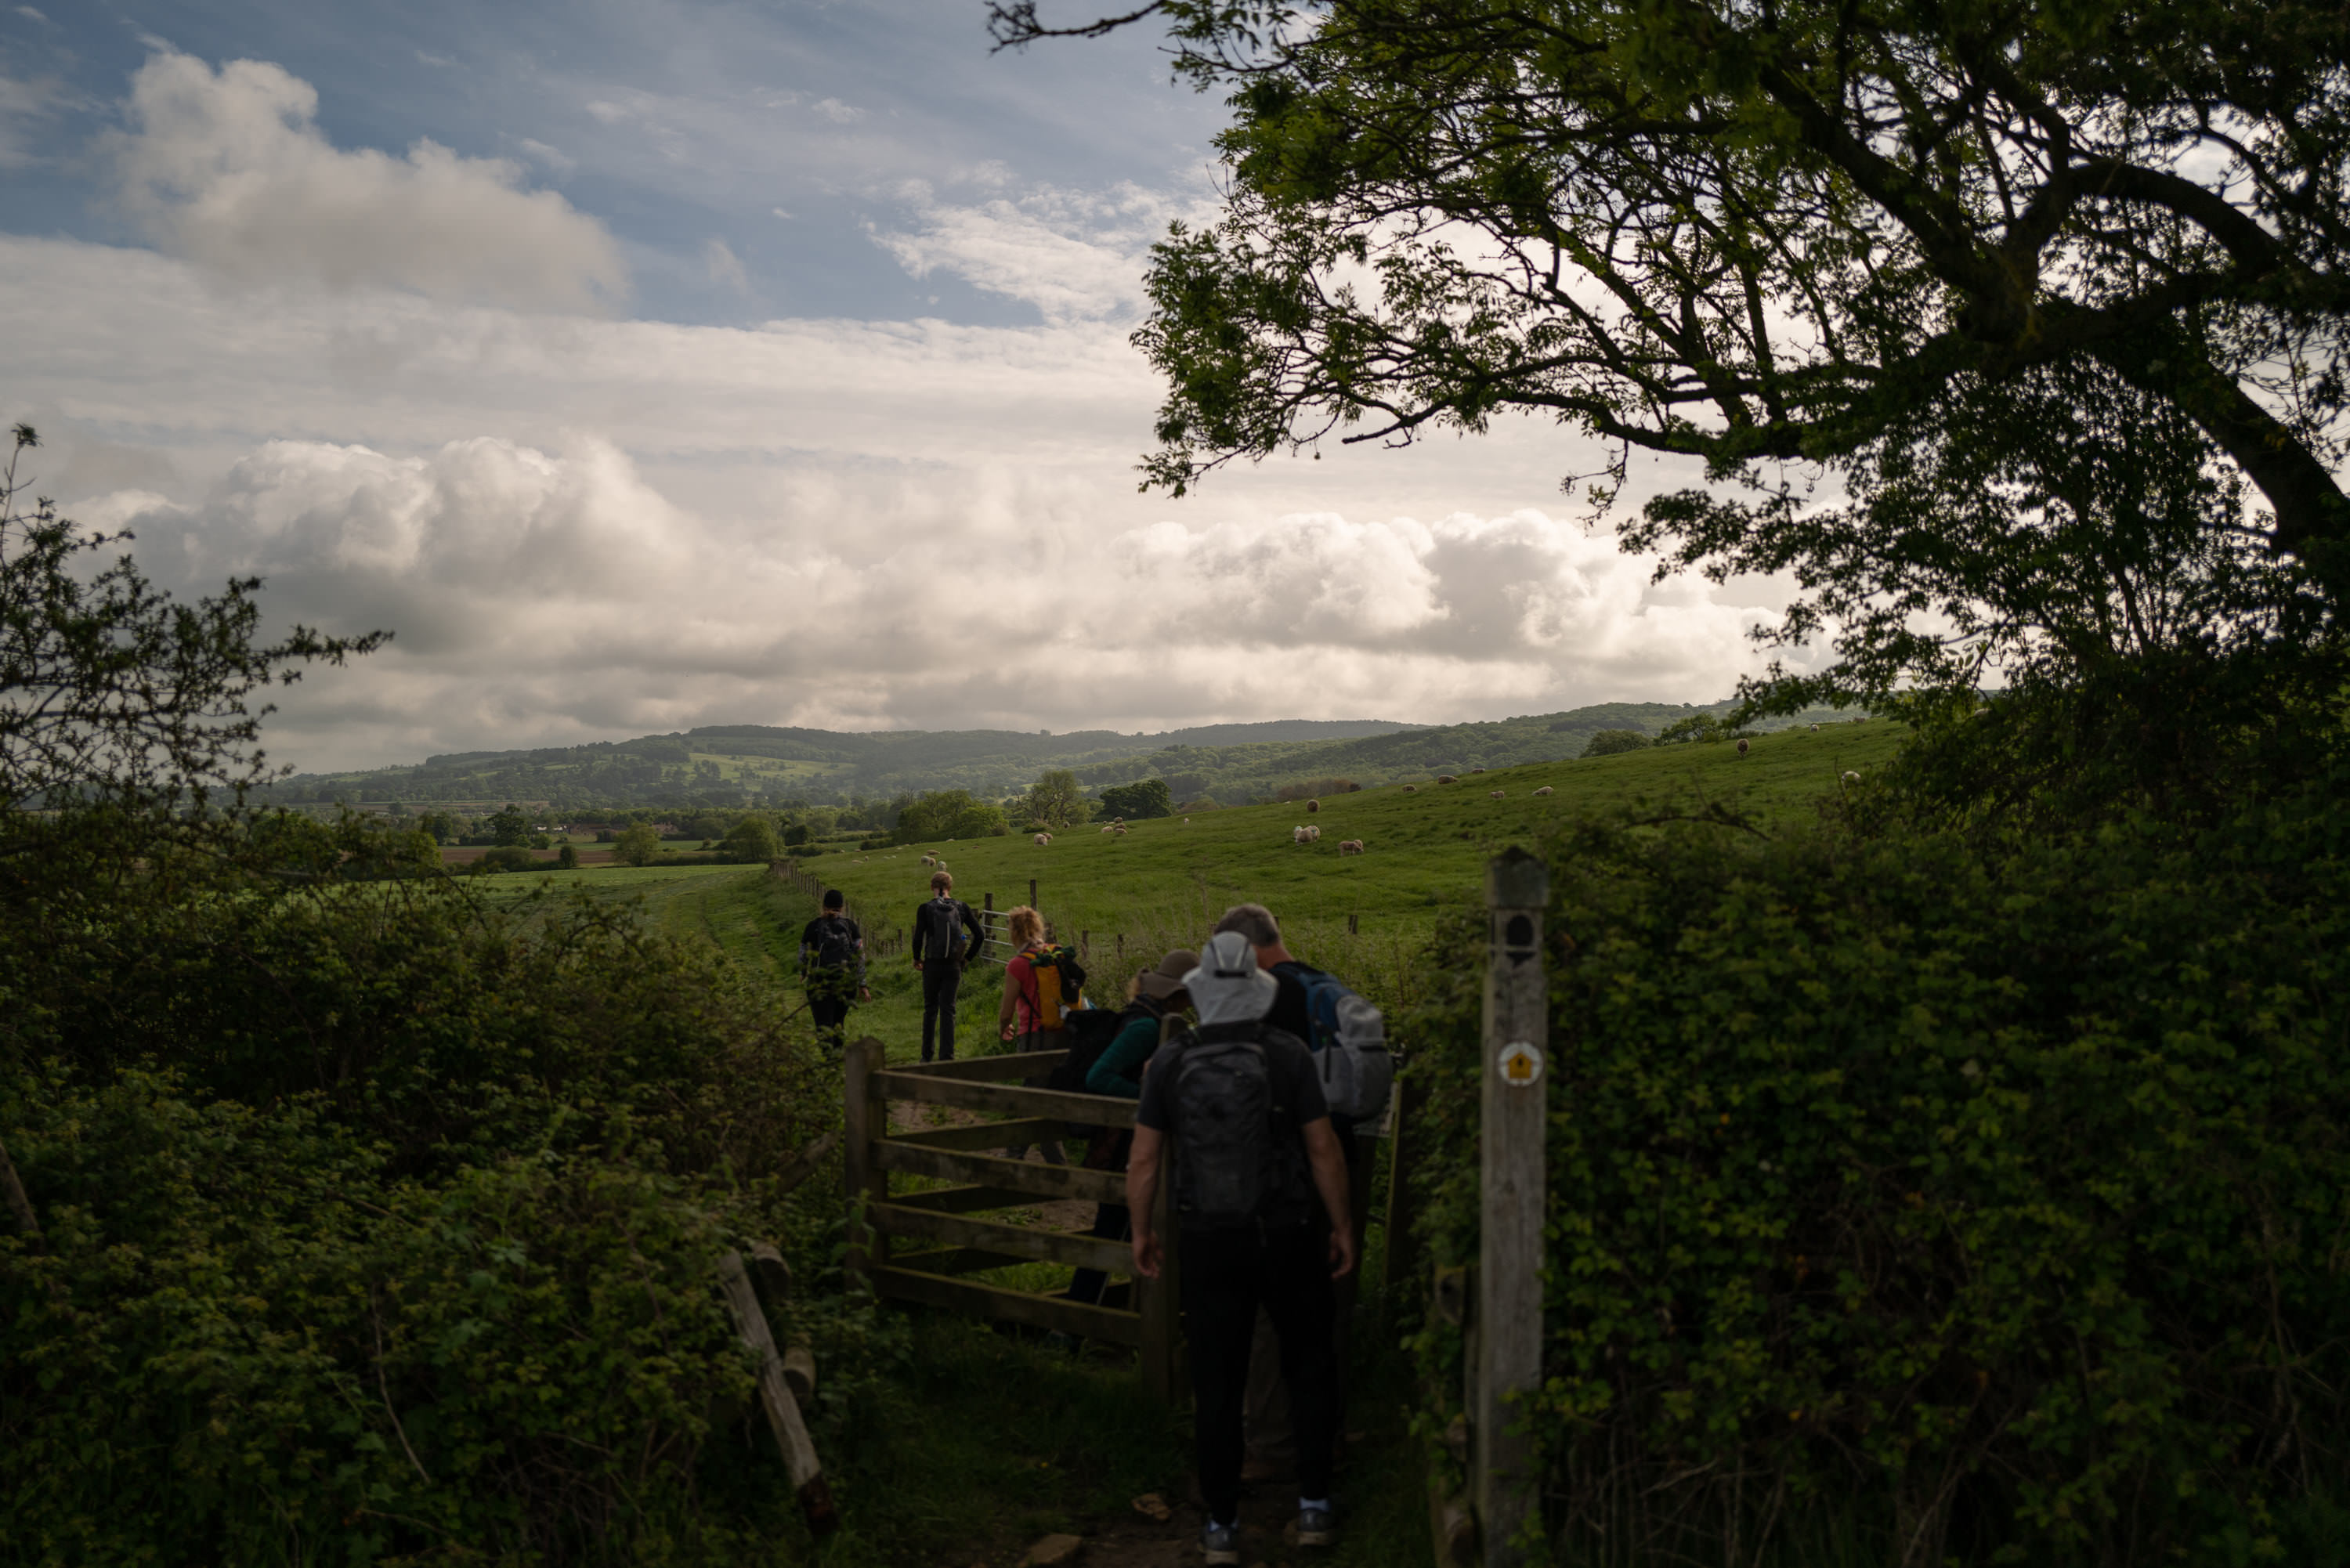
(1756, 229)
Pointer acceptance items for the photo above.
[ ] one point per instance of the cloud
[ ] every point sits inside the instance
(1074, 255)
(228, 169)
(542, 596)
(24, 104)
(726, 267)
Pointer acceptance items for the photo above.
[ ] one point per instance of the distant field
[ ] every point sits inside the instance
(1165, 883)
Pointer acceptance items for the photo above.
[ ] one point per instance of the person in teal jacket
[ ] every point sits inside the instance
(1157, 995)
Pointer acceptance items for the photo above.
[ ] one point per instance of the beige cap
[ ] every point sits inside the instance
(1164, 981)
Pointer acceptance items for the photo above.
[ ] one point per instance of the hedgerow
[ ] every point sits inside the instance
(1921, 1195)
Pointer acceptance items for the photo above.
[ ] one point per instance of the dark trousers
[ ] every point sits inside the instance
(1227, 1275)
(941, 977)
(1111, 1221)
(831, 1016)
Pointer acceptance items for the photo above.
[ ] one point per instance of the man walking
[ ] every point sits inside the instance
(939, 954)
(832, 968)
(1253, 1150)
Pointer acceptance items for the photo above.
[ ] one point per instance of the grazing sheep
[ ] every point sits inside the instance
(1411, 789)
(1816, 729)
(1446, 778)
(926, 860)
(1851, 778)
(1476, 770)
(1498, 794)
(1111, 829)
(1120, 830)
(1741, 748)
(1043, 839)
(1187, 822)
(1313, 805)
(1350, 846)
(1298, 836)
(1545, 790)
(1315, 834)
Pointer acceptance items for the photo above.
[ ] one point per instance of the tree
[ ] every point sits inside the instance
(1056, 799)
(1750, 234)
(1609, 742)
(948, 814)
(123, 711)
(638, 845)
(507, 826)
(1144, 798)
(1698, 726)
(752, 840)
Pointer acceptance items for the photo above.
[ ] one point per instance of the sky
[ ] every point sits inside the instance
(669, 363)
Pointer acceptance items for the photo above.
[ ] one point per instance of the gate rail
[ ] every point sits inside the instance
(945, 1225)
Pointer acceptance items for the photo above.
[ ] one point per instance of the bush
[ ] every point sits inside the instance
(1610, 743)
(567, 858)
(751, 841)
(508, 858)
(638, 845)
(1977, 1197)
(1147, 798)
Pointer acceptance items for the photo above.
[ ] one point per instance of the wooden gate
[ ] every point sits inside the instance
(916, 1245)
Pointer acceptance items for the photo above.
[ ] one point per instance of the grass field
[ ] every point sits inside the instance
(1165, 882)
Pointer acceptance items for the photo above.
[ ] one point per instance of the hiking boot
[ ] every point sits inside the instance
(1221, 1543)
(1317, 1527)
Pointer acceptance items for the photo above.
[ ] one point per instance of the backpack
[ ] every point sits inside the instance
(1059, 984)
(1350, 1042)
(942, 928)
(1090, 1029)
(1230, 1128)
(836, 943)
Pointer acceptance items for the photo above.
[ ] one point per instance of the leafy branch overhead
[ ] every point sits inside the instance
(1747, 232)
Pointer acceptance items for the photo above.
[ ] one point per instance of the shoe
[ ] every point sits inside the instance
(1317, 1527)
(1221, 1543)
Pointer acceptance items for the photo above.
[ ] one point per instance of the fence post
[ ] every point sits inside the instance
(1156, 1299)
(1509, 1295)
(863, 1118)
(1032, 894)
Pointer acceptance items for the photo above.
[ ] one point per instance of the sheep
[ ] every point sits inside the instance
(1816, 729)
(1411, 789)
(1111, 829)
(1498, 793)
(928, 861)
(1313, 836)
(1350, 846)
(1476, 770)
(1298, 836)
(1119, 830)
(1741, 746)
(1545, 790)
(1043, 839)
(1187, 822)
(1313, 805)
(1851, 778)
(1446, 778)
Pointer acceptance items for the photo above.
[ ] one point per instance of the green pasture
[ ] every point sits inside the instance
(1165, 882)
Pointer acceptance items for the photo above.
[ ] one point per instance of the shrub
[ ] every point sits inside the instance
(1610, 743)
(1147, 798)
(567, 858)
(507, 858)
(1978, 1196)
(638, 845)
(751, 841)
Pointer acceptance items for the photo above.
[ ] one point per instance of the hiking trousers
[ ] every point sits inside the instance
(1226, 1276)
(941, 979)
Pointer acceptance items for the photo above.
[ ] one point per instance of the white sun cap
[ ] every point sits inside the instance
(1228, 987)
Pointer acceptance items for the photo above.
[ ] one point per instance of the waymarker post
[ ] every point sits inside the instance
(1509, 1288)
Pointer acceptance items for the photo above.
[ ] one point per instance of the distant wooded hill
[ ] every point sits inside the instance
(759, 764)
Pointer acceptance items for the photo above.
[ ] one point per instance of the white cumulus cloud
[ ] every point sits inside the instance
(229, 169)
(1074, 255)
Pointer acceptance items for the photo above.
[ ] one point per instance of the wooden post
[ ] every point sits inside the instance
(1400, 1261)
(1509, 1295)
(1156, 1299)
(863, 1118)
(1121, 952)
(776, 1394)
(1032, 893)
(1353, 928)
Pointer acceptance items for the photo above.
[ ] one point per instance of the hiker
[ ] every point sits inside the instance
(1041, 985)
(939, 955)
(1155, 1001)
(1254, 1149)
(1268, 1419)
(832, 968)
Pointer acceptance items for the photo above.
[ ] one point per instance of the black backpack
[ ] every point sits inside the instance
(941, 928)
(1090, 1031)
(1231, 1129)
(836, 943)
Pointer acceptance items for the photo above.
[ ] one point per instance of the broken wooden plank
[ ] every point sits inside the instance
(808, 1162)
(783, 1411)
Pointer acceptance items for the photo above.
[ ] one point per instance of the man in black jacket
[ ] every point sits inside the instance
(940, 953)
(832, 968)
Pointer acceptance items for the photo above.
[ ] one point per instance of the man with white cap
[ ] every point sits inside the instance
(1254, 1149)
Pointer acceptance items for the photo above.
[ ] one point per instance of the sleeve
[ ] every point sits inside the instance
(857, 946)
(978, 936)
(1155, 1110)
(808, 943)
(1119, 1069)
(921, 930)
